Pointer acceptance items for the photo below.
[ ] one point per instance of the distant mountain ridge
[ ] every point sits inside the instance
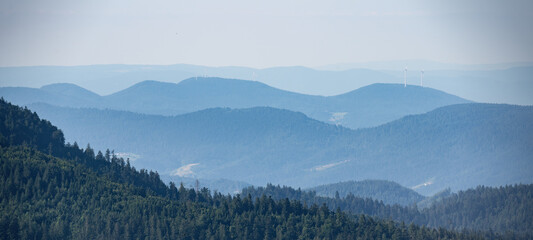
(107, 79)
(505, 83)
(457, 146)
(365, 107)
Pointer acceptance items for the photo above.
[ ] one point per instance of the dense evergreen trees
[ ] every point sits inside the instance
(387, 191)
(507, 210)
(22, 127)
(350, 203)
(45, 197)
(500, 209)
(70, 193)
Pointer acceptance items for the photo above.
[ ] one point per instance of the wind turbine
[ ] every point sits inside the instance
(405, 77)
(421, 77)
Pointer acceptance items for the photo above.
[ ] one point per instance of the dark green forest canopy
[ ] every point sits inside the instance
(387, 191)
(499, 209)
(52, 190)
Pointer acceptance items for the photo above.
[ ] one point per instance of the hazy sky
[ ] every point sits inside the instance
(263, 33)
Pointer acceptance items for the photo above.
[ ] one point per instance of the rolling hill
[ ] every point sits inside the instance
(458, 146)
(60, 94)
(497, 83)
(107, 79)
(365, 107)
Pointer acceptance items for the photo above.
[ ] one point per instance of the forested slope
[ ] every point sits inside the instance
(459, 146)
(387, 191)
(69, 193)
(501, 209)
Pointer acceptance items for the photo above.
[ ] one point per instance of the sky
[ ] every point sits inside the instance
(263, 34)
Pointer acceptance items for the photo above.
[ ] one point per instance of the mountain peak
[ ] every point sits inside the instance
(151, 83)
(401, 92)
(68, 89)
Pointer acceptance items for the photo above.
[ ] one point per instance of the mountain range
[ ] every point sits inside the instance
(250, 133)
(457, 146)
(503, 83)
(364, 107)
(107, 79)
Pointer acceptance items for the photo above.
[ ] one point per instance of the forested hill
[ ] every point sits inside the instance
(387, 191)
(497, 208)
(59, 94)
(69, 193)
(477, 144)
(22, 127)
(500, 209)
(459, 146)
(364, 107)
(251, 145)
